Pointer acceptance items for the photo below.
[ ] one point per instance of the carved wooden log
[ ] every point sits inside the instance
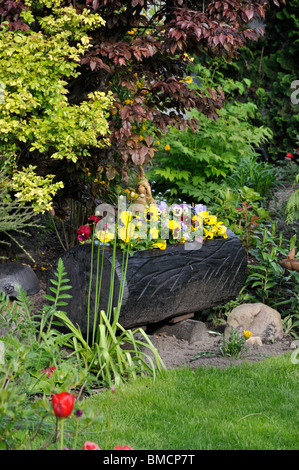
(160, 284)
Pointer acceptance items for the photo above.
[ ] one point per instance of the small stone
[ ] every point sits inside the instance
(254, 341)
(189, 330)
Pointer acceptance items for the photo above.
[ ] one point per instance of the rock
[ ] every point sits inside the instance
(14, 276)
(17, 275)
(160, 284)
(192, 331)
(259, 319)
(254, 341)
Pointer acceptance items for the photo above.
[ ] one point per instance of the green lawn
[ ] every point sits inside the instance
(252, 406)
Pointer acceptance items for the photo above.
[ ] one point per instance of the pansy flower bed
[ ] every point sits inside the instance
(153, 227)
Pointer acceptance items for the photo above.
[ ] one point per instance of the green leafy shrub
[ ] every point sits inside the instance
(268, 281)
(193, 165)
(259, 176)
(242, 212)
(38, 124)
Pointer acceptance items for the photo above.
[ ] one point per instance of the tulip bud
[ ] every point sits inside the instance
(63, 404)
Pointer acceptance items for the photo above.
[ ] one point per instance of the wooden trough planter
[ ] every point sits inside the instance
(160, 284)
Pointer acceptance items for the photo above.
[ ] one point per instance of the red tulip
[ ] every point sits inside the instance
(63, 404)
(90, 446)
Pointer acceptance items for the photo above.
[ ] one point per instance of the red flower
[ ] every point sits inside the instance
(90, 446)
(94, 219)
(123, 448)
(63, 404)
(289, 155)
(83, 232)
(48, 371)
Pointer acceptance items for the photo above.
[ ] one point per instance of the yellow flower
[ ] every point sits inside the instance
(197, 220)
(154, 232)
(211, 220)
(222, 231)
(161, 245)
(105, 237)
(125, 217)
(127, 233)
(247, 334)
(175, 227)
(208, 233)
(95, 180)
(153, 213)
(167, 147)
(188, 80)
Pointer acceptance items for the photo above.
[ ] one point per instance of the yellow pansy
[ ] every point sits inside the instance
(127, 233)
(175, 227)
(188, 80)
(211, 219)
(125, 217)
(208, 233)
(197, 220)
(154, 232)
(161, 245)
(221, 230)
(104, 237)
(153, 213)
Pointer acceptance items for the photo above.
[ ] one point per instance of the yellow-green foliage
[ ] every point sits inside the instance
(36, 190)
(35, 114)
